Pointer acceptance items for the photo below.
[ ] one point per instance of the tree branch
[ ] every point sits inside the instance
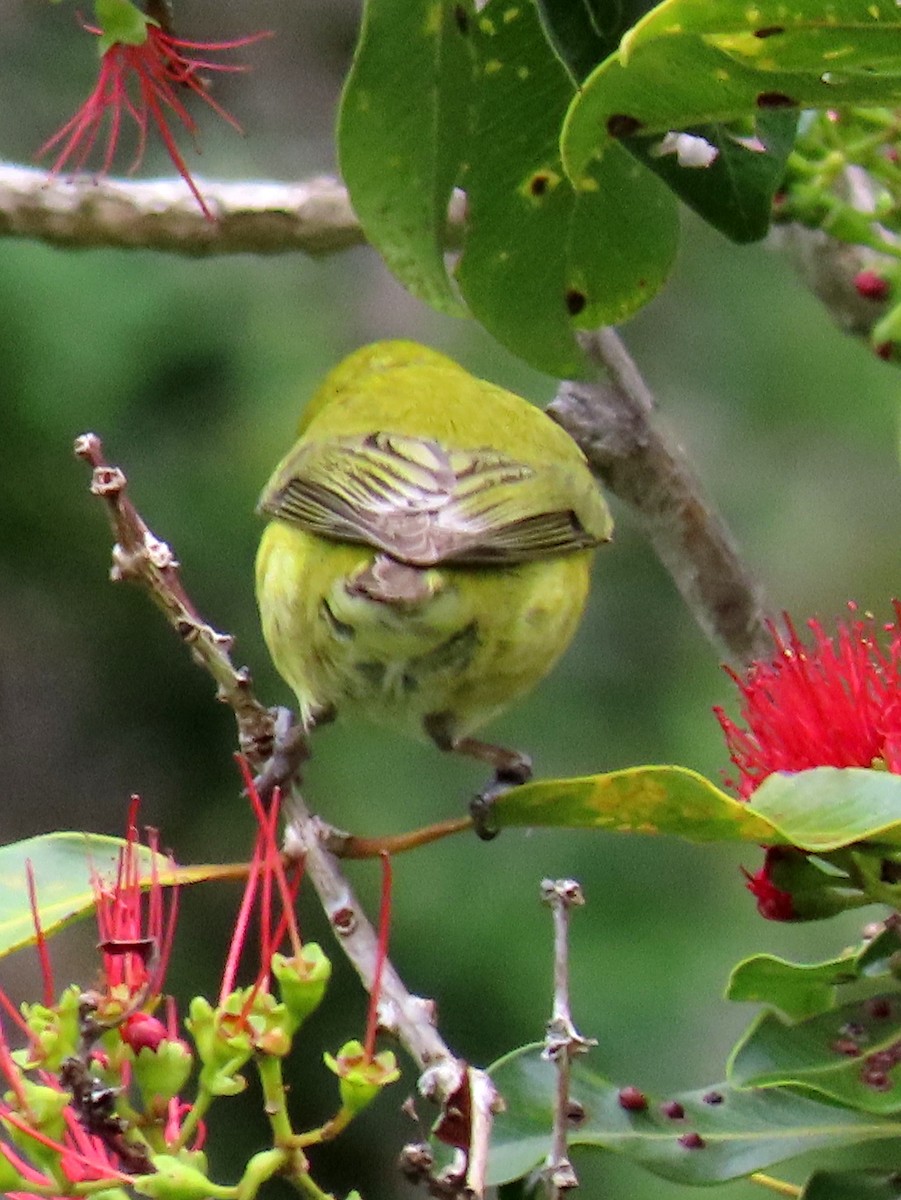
(455, 1086)
(445, 1079)
(641, 463)
(313, 216)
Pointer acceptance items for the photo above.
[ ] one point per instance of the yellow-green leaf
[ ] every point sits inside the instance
(656, 799)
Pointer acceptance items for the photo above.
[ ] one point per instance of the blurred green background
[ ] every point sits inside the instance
(194, 373)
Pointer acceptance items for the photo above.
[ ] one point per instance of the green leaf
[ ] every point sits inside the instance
(735, 192)
(657, 799)
(741, 1130)
(63, 865)
(540, 258)
(797, 990)
(849, 1054)
(690, 63)
(853, 1185)
(802, 990)
(829, 807)
(402, 131)
(584, 32)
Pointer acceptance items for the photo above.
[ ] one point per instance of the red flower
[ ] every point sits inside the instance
(136, 932)
(836, 703)
(266, 875)
(145, 80)
(773, 902)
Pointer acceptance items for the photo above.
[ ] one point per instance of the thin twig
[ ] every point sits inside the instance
(411, 1018)
(140, 556)
(562, 1042)
(640, 462)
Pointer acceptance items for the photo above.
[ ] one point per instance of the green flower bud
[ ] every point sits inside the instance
(55, 1030)
(221, 1054)
(177, 1180)
(161, 1073)
(260, 1169)
(302, 981)
(360, 1078)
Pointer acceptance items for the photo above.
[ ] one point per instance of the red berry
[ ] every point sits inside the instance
(871, 285)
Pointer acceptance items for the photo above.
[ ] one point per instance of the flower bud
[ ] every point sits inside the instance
(141, 1031)
(871, 285)
(789, 887)
(302, 981)
(221, 1055)
(360, 1078)
(55, 1031)
(176, 1180)
(161, 1072)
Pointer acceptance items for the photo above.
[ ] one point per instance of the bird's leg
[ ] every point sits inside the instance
(290, 749)
(511, 767)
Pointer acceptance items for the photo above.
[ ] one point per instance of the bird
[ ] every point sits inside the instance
(428, 551)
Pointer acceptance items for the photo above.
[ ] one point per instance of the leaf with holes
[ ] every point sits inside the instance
(688, 64)
(541, 258)
(697, 1137)
(849, 1054)
(402, 133)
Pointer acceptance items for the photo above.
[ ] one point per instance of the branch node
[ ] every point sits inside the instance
(158, 553)
(106, 481)
(126, 565)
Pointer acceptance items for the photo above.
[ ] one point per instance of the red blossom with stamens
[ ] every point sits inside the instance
(82, 1156)
(267, 873)
(834, 703)
(773, 903)
(136, 931)
(148, 83)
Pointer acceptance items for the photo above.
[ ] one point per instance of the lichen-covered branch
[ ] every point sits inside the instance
(640, 461)
(252, 217)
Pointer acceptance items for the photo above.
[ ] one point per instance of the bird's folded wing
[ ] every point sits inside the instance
(424, 504)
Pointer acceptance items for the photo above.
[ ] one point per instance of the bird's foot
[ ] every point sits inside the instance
(517, 770)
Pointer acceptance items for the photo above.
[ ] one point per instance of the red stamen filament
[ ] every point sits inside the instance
(372, 1022)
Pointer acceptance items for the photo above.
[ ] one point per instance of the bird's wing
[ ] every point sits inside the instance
(424, 504)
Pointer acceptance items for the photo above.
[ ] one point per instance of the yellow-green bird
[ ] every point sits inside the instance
(429, 552)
